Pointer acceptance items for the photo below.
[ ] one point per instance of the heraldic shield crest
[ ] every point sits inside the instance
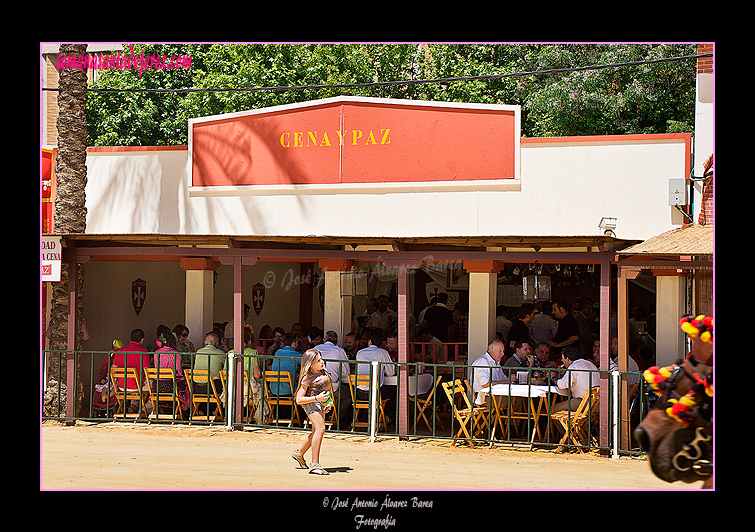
(138, 294)
(258, 297)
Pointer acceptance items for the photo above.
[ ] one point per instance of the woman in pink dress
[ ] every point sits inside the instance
(167, 356)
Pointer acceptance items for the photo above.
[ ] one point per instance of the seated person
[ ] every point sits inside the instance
(543, 360)
(331, 354)
(373, 352)
(577, 378)
(251, 364)
(210, 357)
(351, 345)
(391, 345)
(634, 376)
(287, 358)
(337, 365)
(133, 355)
(486, 370)
(596, 353)
(522, 358)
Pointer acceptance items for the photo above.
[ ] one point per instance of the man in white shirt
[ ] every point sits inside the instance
(579, 382)
(331, 354)
(373, 352)
(487, 370)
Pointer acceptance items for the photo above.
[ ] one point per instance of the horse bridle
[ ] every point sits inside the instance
(695, 408)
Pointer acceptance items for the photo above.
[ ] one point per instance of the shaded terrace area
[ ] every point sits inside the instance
(482, 256)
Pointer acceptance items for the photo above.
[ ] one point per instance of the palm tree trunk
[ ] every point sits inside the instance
(70, 218)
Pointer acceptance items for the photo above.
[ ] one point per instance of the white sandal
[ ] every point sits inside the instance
(318, 470)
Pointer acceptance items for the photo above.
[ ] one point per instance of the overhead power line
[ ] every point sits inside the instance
(408, 81)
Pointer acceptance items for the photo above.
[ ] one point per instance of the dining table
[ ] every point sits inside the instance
(541, 398)
(421, 382)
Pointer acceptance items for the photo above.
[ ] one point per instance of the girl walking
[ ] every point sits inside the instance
(313, 394)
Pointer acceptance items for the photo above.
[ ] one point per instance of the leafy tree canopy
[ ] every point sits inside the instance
(648, 98)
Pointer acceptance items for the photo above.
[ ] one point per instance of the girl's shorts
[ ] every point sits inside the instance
(312, 407)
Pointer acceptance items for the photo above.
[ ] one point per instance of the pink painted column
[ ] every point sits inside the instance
(403, 344)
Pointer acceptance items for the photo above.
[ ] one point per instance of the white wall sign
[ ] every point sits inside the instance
(51, 257)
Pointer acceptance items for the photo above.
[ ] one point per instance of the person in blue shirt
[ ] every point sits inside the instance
(288, 359)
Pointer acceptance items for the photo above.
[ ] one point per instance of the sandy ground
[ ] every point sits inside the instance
(127, 456)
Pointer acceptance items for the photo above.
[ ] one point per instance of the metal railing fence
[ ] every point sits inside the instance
(430, 414)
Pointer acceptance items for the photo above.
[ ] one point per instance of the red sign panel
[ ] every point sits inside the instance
(356, 141)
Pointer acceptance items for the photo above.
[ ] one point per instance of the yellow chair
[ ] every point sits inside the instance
(425, 402)
(207, 398)
(576, 423)
(274, 401)
(474, 415)
(153, 376)
(126, 394)
(364, 405)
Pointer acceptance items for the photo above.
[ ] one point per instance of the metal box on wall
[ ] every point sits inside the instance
(677, 191)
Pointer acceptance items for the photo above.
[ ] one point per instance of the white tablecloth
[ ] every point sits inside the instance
(523, 390)
(425, 382)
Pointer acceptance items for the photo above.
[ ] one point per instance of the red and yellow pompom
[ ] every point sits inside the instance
(698, 326)
(681, 410)
(655, 376)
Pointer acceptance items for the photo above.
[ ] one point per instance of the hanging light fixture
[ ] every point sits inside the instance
(536, 287)
(353, 283)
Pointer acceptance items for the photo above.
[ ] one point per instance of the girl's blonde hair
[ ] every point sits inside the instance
(306, 364)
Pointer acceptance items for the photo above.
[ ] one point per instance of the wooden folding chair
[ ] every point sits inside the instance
(425, 402)
(207, 398)
(125, 394)
(576, 424)
(153, 376)
(281, 377)
(474, 415)
(248, 403)
(364, 405)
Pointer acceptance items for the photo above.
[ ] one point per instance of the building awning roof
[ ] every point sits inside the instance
(690, 240)
(605, 242)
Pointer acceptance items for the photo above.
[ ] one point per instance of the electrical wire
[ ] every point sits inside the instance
(404, 82)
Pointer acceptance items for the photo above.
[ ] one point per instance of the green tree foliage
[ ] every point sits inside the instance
(650, 98)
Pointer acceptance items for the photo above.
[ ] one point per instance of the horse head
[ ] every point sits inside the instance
(677, 434)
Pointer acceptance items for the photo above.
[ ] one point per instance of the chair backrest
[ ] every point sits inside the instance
(204, 374)
(247, 389)
(454, 388)
(224, 377)
(156, 374)
(280, 377)
(589, 404)
(359, 380)
(431, 391)
(118, 374)
(160, 373)
(356, 379)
